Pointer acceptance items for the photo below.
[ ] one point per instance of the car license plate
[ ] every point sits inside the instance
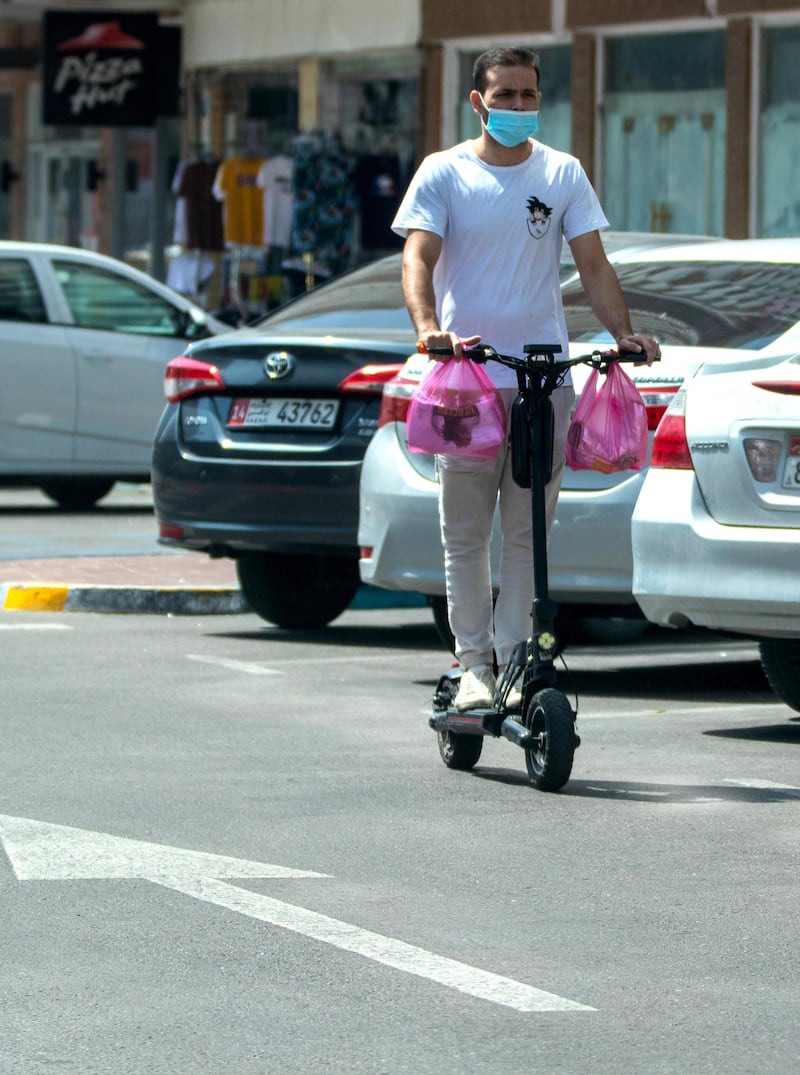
(791, 468)
(283, 413)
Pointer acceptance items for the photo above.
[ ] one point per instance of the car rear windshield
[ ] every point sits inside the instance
(367, 298)
(704, 303)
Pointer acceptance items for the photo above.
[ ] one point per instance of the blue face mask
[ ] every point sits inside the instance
(510, 128)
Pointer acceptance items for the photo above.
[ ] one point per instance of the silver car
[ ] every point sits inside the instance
(712, 301)
(716, 529)
(84, 339)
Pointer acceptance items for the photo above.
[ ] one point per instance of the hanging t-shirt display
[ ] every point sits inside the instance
(202, 212)
(377, 178)
(275, 179)
(324, 201)
(235, 186)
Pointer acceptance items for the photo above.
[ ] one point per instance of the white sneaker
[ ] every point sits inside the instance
(476, 690)
(514, 698)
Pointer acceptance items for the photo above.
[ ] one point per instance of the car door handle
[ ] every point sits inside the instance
(95, 354)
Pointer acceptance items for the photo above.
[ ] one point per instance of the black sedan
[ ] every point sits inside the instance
(258, 453)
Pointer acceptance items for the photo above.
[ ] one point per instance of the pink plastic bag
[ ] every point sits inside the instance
(608, 431)
(456, 410)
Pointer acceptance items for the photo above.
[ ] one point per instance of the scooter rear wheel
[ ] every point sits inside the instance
(459, 751)
(552, 722)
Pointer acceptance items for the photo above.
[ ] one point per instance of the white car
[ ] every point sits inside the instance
(84, 340)
(716, 529)
(711, 301)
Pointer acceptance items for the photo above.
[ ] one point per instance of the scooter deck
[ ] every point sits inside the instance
(481, 722)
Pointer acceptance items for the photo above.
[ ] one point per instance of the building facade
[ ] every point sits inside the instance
(685, 113)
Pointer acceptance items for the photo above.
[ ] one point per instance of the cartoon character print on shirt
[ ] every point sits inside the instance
(538, 217)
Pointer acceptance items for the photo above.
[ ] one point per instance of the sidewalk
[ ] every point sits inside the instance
(182, 583)
(175, 582)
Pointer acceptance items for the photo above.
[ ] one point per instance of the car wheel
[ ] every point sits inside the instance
(780, 659)
(76, 494)
(296, 590)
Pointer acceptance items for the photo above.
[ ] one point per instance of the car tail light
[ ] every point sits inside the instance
(395, 401)
(370, 378)
(786, 388)
(670, 447)
(656, 400)
(185, 377)
(166, 530)
(763, 456)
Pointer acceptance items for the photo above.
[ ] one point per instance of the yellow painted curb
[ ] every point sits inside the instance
(35, 597)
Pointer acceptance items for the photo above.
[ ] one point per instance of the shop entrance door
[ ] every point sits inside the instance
(664, 162)
(62, 208)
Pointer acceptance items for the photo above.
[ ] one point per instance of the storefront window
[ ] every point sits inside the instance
(63, 204)
(555, 112)
(270, 121)
(378, 126)
(779, 157)
(664, 133)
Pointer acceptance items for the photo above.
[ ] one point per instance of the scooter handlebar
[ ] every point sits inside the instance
(484, 352)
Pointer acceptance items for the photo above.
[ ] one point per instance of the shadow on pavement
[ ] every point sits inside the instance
(736, 681)
(764, 733)
(657, 794)
(402, 636)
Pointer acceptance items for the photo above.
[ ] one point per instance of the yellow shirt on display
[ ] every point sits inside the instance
(235, 185)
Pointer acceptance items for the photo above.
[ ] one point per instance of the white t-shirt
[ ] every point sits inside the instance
(498, 272)
(275, 179)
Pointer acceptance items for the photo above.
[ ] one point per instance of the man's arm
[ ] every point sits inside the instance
(420, 254)
(605, 295)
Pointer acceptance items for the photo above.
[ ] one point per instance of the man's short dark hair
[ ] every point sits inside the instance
(502, 57)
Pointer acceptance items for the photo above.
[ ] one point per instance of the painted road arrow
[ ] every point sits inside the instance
(41, 851)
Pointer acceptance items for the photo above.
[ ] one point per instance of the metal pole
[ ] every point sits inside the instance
(117, 192)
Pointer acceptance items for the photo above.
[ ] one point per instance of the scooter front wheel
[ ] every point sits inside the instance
(459, 751)
(552, 722)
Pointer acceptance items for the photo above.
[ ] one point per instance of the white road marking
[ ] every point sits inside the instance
(672, 711)
(41, 851)
(35, 627)
(391, 953)
(257, 668)
(251, 667)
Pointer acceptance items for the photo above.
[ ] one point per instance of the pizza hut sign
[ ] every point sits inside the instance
(108, 70)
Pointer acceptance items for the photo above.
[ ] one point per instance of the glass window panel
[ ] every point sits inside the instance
(711, 304)
(664, 130)
(666, 62)
(366, 299)
(20, 297)
(779, 157)
(101, 300)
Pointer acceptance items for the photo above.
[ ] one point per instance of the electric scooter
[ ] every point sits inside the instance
(545, 726)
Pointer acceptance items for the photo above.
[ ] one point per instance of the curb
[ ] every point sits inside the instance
(163, 600)
(169, 600)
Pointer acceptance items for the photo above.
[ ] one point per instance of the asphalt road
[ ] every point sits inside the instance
(122, 524)
(227, 848)
(231, 849)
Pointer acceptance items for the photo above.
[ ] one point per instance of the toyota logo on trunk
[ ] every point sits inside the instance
(278, 364)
